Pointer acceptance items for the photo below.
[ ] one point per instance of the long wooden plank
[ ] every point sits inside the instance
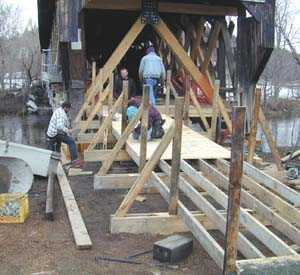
(219, 220)
(158, 223)
(146, 173)
(276, 245)
(112, 62)
(284, 191)
(262, 210)
(184, 59)
(101, 155)
(286, 210)
(198, 230)
(80, 233)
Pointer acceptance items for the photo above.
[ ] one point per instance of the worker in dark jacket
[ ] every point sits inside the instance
(118, 84)
(155, 121)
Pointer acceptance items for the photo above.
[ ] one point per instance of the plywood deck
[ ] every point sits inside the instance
(194, 145)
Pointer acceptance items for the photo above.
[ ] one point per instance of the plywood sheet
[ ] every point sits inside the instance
(194, 145)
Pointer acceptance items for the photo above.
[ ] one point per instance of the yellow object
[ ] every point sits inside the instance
(14, 208)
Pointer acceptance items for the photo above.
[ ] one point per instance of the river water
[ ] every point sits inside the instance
(286, 133)
(29, 130)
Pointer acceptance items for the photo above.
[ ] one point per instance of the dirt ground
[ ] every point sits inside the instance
(44, 247)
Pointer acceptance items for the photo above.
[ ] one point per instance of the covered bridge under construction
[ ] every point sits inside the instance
(214, 52)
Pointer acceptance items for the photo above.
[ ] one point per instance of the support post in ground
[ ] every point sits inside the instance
(168, 92)
(215, 111)
(234, 192)
(253, 131)
(187, 98)
(176, 156)
(124, 105)
(94, 72)
(144, 127)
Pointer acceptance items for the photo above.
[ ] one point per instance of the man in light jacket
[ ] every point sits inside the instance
(151, 71)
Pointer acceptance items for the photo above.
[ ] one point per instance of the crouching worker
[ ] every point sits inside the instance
(59, 131)
(155, 121)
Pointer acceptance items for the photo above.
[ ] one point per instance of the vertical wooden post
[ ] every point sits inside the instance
(215, 111)
(99, 93)
(94, 72)
(167, 110)
(124, 105)
(144, 127)
(187, 99)
(176, 156)
(253, 131)
(234, 192)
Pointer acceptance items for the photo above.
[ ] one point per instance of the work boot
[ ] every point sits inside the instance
(77, 163)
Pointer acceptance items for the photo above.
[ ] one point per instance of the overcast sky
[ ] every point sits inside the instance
(29, 10)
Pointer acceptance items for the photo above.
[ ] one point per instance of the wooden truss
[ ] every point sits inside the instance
(265, 201)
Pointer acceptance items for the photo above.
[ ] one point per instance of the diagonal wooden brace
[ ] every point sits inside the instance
(121, 142)
(107, 121)
(146, 173)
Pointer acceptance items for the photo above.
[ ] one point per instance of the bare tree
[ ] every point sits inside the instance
(9, 30)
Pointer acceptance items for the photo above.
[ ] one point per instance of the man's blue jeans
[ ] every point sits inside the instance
(152, 82)
(55, 142)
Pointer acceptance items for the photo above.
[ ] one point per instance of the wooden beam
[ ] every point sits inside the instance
(184, 59)
(116, 181)
(144, 127)
(102, 155)
(262, 210)
(275, 185)
(272, 144)
(276, 245)
(165, 7)
(80, 233)
(176, 156)
(146, 173)
(254, 122)
(157, 223)
(284, 209)
(234, 193)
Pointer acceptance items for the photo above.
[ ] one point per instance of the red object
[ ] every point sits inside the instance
(178, 83)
